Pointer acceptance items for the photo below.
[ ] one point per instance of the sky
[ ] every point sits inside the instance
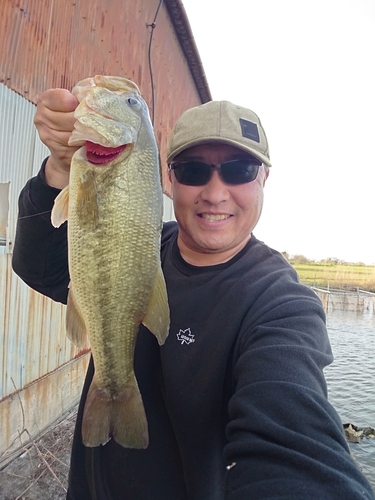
(307, 69)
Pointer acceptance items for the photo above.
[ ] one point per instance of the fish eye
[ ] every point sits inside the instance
(134, 103)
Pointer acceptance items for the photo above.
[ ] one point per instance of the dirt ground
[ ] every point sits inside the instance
(40, 472)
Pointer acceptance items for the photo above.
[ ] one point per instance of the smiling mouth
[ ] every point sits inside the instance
(100, 155)
(214, 217)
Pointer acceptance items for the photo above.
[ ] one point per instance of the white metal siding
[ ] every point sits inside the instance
(21, 149)
(32, 327)
(168, 209)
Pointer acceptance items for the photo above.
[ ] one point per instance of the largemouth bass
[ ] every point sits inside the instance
(113, 205)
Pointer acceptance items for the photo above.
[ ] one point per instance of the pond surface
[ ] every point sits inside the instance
(351, 378)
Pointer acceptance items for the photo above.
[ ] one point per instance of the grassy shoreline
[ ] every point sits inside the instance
(343, 276)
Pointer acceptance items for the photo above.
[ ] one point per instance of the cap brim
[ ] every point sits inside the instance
(221, 140)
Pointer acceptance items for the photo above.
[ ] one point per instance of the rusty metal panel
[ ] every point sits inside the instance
(55, 44)
(29, 411)
(49, 44)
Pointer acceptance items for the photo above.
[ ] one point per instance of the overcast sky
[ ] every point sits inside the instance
(307, 69)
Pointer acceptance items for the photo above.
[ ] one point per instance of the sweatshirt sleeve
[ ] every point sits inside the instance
(285, 439)
(40, 254)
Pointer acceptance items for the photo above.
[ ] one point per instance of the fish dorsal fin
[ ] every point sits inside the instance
(59, 212)
(75, 325)
(157, 315)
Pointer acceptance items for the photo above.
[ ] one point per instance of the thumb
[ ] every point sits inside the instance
(58, 100)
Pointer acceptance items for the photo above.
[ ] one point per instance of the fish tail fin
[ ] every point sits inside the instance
(129, 422)
(122, 417)
(96, 422)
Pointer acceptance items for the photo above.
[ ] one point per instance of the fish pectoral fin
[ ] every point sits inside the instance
(75, 325)
(157, 315)
(121, 416)
(59, 212)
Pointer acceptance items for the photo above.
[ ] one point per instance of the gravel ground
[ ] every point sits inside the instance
(40, 472)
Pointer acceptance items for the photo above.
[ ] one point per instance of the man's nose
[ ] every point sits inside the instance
(215, 191)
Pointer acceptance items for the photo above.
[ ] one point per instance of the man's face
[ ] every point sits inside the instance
(215, 220)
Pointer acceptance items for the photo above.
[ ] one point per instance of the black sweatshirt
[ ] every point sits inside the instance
(236, 399)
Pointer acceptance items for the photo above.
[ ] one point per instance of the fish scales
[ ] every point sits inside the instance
(114, 225)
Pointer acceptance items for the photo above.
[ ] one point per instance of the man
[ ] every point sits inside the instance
(236, 399)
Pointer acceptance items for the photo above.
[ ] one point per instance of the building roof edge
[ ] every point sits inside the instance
(181, 25)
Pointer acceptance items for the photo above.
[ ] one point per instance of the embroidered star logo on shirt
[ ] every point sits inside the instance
(185, 336)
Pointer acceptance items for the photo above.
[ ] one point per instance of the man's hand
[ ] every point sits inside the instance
(54, 120)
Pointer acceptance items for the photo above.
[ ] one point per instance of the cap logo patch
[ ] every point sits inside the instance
(249, 130)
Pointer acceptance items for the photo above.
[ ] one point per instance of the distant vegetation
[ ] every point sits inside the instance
(333, 273)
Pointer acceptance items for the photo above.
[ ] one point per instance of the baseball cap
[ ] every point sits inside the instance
(219, 121)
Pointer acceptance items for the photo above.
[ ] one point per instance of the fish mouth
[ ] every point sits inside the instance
(101, 155)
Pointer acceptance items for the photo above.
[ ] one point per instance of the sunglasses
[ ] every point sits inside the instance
(197, 173)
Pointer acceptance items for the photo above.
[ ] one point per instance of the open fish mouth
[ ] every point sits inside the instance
(100, 155)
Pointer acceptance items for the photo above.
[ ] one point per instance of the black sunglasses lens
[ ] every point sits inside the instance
(192, 173)
(196, 173)
(239, 171)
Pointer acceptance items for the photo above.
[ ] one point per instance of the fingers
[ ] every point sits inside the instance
(55, 111)
(59, 100)
(54, 120)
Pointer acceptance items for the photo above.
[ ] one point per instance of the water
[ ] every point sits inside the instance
(351, 378)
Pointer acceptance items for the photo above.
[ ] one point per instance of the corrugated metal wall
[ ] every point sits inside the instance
(21, 312)
(54, 44)
(21, 149)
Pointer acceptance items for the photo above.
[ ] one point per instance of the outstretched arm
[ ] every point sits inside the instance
(285, 439)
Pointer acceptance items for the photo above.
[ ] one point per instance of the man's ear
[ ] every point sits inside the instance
(266, 174)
